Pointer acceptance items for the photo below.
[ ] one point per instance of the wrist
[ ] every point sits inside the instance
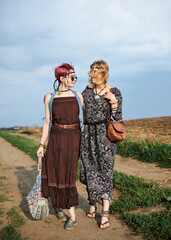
(42, 145)
(114, 101)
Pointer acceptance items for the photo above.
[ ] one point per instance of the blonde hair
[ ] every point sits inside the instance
(103, 73)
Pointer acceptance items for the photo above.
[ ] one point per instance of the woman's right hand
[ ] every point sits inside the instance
(40, 151)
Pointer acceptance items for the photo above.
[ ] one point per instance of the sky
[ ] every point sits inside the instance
(132, 36)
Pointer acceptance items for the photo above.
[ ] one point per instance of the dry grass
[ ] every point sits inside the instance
(35, 131)
(154, 129)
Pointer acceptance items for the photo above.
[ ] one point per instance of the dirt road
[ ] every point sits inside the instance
(21, 172)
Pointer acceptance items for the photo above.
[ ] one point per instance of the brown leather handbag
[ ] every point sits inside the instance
(116, 130)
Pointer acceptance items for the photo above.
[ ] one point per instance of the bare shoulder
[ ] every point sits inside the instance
(48, 96)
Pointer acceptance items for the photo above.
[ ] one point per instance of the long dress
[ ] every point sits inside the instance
(59, 165)
(97, 153)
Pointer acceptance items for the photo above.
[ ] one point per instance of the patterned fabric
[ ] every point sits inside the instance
(38, 205)
(97, 153)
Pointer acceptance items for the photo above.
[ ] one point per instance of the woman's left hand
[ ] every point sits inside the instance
(111, 97)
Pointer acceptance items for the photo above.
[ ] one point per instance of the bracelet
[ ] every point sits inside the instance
(41, 145)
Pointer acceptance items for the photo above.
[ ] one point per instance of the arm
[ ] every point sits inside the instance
(115, 99)
(45, 126)
(82, 102)
(81, 98)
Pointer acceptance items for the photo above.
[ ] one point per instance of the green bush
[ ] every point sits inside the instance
(10, 233)
(26, 132)
(146, 151)
(136, 193)
(152, 226)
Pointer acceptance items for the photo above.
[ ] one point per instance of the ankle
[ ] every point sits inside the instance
(105, 213)
(73, 218)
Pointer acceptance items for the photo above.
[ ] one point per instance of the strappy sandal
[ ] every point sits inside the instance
(93, 214)
(105, 214)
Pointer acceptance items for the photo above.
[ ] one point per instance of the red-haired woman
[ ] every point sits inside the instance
(59, 163)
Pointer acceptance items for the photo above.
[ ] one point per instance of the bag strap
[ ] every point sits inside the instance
(80, 109)
(108, 107)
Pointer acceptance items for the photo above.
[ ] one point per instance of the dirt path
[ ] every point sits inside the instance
(21, 172)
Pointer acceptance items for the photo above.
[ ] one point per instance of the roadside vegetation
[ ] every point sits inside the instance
(146, 151)
(136, 194)
(12, 230)
(24, 144)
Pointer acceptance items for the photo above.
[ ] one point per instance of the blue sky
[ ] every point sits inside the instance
(132, 36)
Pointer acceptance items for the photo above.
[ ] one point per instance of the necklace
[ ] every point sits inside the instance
(97, 97)
(60, 91)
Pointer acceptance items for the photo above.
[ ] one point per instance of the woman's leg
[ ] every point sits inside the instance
(92, 209)
(72, 221)
(72, 213)
(105, 214)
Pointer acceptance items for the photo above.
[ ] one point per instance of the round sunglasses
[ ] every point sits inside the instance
(72, 77)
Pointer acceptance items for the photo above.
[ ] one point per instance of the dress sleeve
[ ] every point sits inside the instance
(116, 113)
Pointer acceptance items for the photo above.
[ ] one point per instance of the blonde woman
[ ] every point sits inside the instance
(97, 153)
(59, 163)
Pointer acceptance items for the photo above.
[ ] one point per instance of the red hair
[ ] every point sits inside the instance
(63, 70)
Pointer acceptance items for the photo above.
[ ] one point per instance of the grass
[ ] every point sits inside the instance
(11, 231)
(3, 198)
(146, 151)
(2, 177)
(1, 211)
(26, 145)
(136, 193)
(15, 218)
(152, 226)
(26, 132)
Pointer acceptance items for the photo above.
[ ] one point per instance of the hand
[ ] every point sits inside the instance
(111, 97)
(40, 151)
(44, 98)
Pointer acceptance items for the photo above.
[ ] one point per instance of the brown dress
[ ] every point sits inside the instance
(59, 165)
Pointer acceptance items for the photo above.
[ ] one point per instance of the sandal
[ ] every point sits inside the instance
(93, 214)
(105, 214)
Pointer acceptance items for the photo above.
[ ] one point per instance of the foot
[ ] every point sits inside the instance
(61, 216)
(105, 221)
(92, 212)
(70, 224)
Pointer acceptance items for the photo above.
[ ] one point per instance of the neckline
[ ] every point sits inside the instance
(64, 97)
(97, 94)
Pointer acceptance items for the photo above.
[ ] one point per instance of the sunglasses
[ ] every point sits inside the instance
(72, 77)
(93, 70)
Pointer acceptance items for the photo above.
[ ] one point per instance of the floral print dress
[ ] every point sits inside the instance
(97, 153)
